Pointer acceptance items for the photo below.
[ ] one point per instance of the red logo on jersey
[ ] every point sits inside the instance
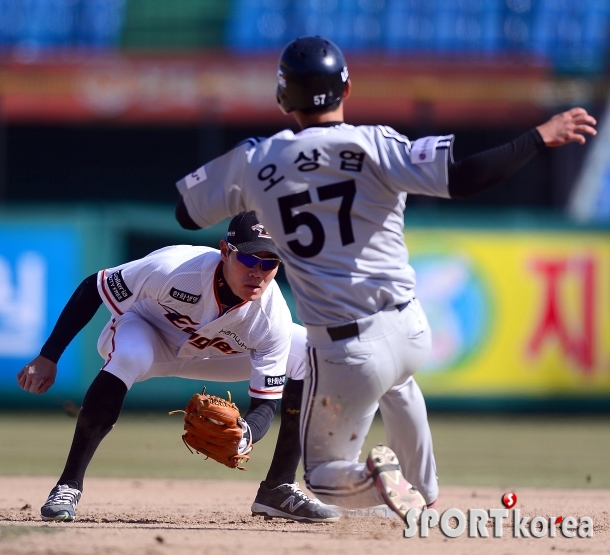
(197, 340)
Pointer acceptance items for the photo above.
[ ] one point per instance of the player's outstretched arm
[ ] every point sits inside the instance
(567, 127)
(484, 170)
(38, 375)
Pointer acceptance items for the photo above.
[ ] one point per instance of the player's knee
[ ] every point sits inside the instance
(133, 361)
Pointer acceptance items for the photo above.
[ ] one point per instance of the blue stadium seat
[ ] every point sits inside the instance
(516, 25)
(47, 23)
(318, 17)
(256, 25)
(443, 26)
(100, 23)
(470, 26)
(410, 25)
(36, 25)
(12, 21)
(575, 35)
(368, 23)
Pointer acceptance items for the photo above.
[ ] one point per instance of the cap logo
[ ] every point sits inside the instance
(281, 81)
(344, 74)
(262, 232)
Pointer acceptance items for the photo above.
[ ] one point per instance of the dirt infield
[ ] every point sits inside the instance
(158, 517)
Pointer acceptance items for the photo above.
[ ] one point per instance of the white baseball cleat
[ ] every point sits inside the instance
(396, 491)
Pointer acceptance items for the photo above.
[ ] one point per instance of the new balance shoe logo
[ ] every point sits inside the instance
(291, 503)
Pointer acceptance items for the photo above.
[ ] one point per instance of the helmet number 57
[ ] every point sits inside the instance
(346, 190)
(319, 99)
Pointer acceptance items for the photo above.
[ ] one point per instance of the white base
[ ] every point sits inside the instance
(382, 511)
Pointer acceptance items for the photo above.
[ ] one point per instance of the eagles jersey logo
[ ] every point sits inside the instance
(262, 232)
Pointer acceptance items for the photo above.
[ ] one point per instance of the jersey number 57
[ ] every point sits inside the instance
(346, 190)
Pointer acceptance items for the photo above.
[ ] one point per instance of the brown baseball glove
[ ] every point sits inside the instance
(215, 429)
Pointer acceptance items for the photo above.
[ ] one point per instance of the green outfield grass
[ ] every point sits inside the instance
(480, 450)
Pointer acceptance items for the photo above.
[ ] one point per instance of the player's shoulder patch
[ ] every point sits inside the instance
(423, 151)
(117, 286)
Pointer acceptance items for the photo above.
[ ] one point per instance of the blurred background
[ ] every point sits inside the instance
(105, 104)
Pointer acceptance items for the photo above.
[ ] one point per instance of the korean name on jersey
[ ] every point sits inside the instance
(322, 194)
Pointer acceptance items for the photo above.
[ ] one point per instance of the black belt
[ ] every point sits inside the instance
(346, 331)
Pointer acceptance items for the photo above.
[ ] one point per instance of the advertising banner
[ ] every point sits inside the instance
(39, 270)
(221, 88)
(514, 313)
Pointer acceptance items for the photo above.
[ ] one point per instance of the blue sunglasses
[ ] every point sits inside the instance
(250, 260)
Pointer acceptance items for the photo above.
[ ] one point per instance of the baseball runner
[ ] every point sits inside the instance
(333, 195)
(199, 313)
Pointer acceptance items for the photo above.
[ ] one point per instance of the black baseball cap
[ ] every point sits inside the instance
(249, 236)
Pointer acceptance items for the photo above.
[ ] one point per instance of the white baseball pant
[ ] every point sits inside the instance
(134, 351)
(347, 381)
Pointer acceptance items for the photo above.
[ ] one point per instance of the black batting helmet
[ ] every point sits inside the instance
(311, 75)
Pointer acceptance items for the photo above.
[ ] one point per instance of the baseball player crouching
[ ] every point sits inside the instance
(192, 312)
(333, 195)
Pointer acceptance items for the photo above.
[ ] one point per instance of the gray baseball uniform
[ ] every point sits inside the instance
(333, 197)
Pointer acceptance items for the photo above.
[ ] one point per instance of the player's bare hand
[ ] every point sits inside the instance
(38, 375)
(567, 127)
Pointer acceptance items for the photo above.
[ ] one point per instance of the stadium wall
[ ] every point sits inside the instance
(518, 303)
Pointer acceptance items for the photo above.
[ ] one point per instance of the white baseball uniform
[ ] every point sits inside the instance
(332, 196)
(167, 321)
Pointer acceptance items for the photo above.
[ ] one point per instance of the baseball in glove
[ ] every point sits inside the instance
(214, 428)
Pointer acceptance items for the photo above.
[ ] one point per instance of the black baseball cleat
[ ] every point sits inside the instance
(288, 501)
(61, 504)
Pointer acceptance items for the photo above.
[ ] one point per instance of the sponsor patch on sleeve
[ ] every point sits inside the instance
(117, 286)
(198, 176)
(184, 296)
(275, 381)
(423, 151)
